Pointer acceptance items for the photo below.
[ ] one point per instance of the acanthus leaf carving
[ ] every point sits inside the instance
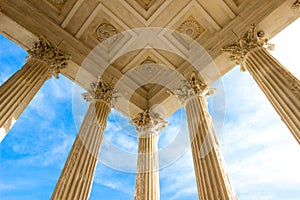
(246, 44)
(191, 88)
(44, 50)
(101, 91)
(148, 124)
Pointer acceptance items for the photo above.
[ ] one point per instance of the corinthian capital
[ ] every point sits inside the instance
(148, 124)
(101, 91)
(43, 49)
(244, 45)
(192, 87)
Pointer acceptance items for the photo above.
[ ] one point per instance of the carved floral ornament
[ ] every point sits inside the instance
(296, 5)
(191, 28)
(43, 49)
(191, 88)
(250, 41)
(58, 3)
(148, 124)
(105, 31)
(149, 66)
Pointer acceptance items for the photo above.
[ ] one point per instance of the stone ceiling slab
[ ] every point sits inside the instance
(78, 26)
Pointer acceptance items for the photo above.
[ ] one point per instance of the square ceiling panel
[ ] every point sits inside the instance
(146, 9)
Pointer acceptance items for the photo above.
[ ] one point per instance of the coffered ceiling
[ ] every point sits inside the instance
(122, 27)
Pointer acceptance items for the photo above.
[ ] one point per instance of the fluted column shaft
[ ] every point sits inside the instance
(77, 175)
(147, 174)
(211, 178)
(16, 93)
(147, 177)
(280, 87)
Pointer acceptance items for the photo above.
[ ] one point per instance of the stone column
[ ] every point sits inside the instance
(43, 61)
(77, 175)
(211, 177)
(279, 85)
(147, 178)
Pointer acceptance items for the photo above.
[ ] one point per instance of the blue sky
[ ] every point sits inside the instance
(261, 154)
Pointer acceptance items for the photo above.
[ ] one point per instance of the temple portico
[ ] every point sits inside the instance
(70, 31)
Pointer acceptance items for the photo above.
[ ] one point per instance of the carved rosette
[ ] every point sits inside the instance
(149, 67)
(58, 3)
(296, 5)
(148, 125)
(191, 88)
(250, 41)
(191, 27)
(106, 32)
(43, 49)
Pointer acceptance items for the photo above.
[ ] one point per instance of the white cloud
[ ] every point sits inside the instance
(175, 124)
(178, 180)
(115, 184)
(184, 192)
(60, 88)
(6, 186)
(266, 156)
(260, 151)
(121, 133)
(39, 152)
(115, 180)
(255, 196)
(262, 156)
(3, 77)
(41, 106)
(287, 48)
(59, 150)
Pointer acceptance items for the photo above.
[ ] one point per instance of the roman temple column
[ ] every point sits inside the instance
(278, 84)
(211, 177)
(147, 173)
(77, 175)
(43, 61)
